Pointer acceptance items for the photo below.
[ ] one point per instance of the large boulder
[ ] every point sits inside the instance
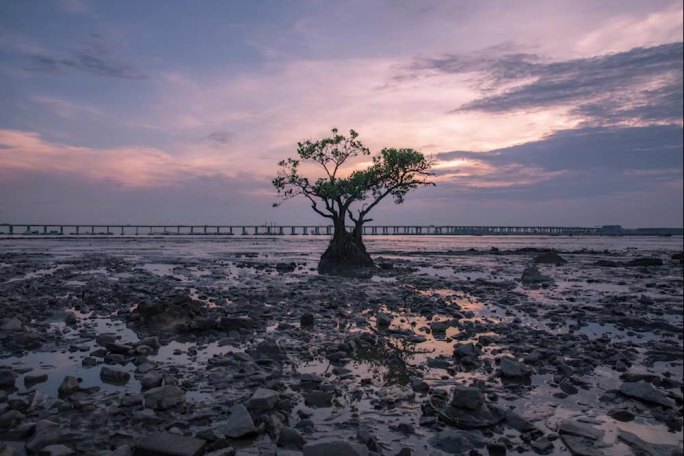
(163, 397)
(263, 399)
(238, 424)
(531, 276)
(550, 258)
(467, 397)
(645, 392)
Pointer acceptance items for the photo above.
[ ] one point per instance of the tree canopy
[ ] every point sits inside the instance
(393, 172)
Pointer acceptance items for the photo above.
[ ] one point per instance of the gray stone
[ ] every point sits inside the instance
(579, 429)
(318, 398)
(45, 433)
(306, 319)
(10, 418)
(270, 349)
(550, 258)
(335, 448)
(105, 339)
(114, 376)
(68, 386)
(645, 392)
(467, 350)
(290, 438)
(383, 320)
(151, 380)
(168, 444)
(238, 424)
(56, 450)
(467, 397)
(531, 275)
(30, 380)
(452, 442)
(511, 368)
(11, 324)
(263, 399)
(163, 397)
(7, 378)
(580, 446)
(640, 446)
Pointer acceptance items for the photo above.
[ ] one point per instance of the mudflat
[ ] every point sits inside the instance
(454, 345)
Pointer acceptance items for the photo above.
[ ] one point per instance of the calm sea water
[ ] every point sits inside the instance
(313, 245)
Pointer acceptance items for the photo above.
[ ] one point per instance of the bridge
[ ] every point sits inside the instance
(16, 229)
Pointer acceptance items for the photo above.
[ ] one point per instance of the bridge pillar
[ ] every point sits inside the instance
(293, 231)
(178, 230)
(328, 230)
(77, 229)
(205, 229)
(316, 232)
(11, 229)
(92, 230)
(244, 230)
(305, 230)
(256, 230)
(230, 230)
(44, 229)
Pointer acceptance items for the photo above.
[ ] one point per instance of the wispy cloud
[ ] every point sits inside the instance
(640, 85)
(95, 57)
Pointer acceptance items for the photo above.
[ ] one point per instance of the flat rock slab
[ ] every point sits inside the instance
(646, 393)
(168, 444)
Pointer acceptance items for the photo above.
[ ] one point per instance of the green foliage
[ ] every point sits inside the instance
(393, 172)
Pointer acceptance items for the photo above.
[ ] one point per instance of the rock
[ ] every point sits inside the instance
(621, 415)
(286, 267)
(579, 429)
(641, 447)
(452, 442)
(163, 397)
(151, 380)
(511, 368)
(68, 386)
(318, 398)
(607, 263)
(383, 320)
(306, 320)
(270, 349)
(10, 418)
(263, 399)
(45, 433)
(335, 448)
(645, 392)
(11, 324)
(7, 378)
(531, 275)
(290, 438)
(168, 444)
(238, 424)
(550, 258)
(56, 450)
(30, 380)
(114, 376)
(517, 422)
(467, 397)
(644, 261)
(467, 350)
(105, 339)
(580, 446)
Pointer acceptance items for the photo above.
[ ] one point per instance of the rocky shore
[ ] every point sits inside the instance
(162, 347)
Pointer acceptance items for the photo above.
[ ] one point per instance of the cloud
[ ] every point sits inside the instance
(95, 57)
(220, 137)
(639, 85)
(596, 162)
(130, 166)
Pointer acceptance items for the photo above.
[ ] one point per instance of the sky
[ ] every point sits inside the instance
(541, 112)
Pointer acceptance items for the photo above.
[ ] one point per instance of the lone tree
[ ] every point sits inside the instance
(340, 193)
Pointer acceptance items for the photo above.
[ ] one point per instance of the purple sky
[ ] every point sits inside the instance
(546, 113)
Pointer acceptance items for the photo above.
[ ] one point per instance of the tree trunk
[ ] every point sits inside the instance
(345, 254)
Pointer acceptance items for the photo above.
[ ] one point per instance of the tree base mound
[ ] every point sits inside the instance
(347, 256)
